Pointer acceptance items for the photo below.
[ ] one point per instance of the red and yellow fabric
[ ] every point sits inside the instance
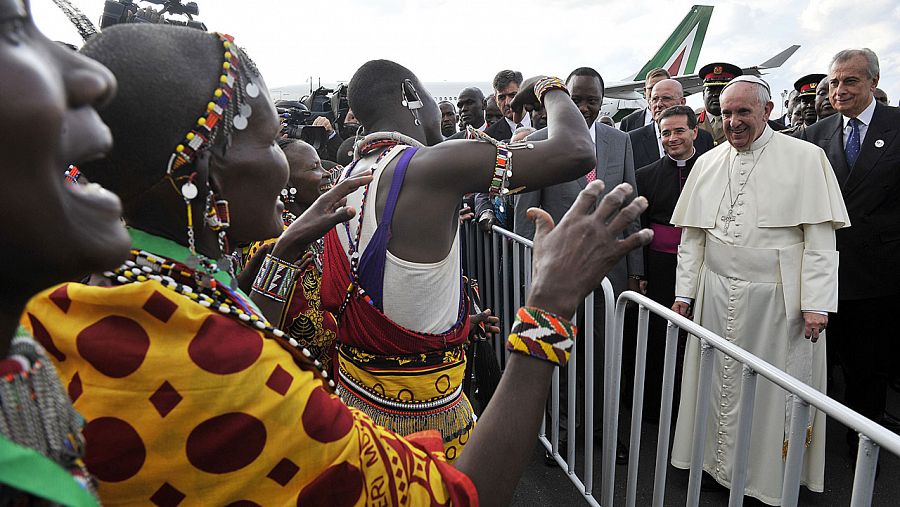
(304, 319)
(186, 406)
(409, 394)
(411, 378)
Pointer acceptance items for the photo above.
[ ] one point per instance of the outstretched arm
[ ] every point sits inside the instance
(329, 210)
(459, 167)
(580, 250)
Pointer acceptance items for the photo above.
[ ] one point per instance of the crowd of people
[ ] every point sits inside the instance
(199, 308)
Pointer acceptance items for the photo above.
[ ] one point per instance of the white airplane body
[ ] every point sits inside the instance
(678, 55)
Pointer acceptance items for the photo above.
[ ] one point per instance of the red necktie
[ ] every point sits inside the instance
(591, 176)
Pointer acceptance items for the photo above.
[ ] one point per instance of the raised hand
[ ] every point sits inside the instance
(329, 210)
(525, 99)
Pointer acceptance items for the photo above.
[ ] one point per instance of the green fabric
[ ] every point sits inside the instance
(172, 250)
(167, 248)
(30, 472)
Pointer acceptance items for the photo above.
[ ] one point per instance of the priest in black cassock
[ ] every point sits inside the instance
(661, 183)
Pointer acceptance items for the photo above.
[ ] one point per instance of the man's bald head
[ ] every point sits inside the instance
(665, 94)
(471, 105)
(472, 92)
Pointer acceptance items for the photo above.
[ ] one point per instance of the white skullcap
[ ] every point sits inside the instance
(749, 79)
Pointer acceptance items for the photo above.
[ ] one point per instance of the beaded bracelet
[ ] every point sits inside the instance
(545, 85)
(542, 335)
(276, 278)
(502, 171)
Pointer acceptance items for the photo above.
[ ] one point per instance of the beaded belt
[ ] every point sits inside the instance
(407, 393)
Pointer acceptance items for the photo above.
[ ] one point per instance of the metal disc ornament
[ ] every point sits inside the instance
(252, 90)
(239, 122)
(189, 190)
(245, 110)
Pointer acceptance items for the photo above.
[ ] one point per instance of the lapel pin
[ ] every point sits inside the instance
(879, 143)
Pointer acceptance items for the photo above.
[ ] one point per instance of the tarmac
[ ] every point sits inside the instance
(547, 485)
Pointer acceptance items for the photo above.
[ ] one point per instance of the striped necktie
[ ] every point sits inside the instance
(852, 148)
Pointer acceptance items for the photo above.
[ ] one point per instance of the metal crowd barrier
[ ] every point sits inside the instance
(502, 263)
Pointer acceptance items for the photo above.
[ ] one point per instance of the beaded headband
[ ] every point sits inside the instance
(226, 109)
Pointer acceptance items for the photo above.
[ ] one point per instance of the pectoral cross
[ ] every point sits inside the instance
(728, 218)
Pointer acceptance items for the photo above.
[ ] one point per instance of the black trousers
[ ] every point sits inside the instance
(660, 288)
(867, 350)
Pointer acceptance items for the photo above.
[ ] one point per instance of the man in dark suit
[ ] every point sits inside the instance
(614, 166)
(506, 85)
(863, 146)
(645, 141)
(784, 121)
(641, 117)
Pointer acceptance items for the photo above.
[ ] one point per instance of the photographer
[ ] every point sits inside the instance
(314, 121)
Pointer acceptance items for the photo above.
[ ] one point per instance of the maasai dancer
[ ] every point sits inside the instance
(661, 183)
(52, 231)
(757, 262)
(301, 316)
(190, 394)
(392, 275)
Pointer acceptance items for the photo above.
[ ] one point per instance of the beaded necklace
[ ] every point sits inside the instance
(181, 279)
(386, 145)
(35, 411)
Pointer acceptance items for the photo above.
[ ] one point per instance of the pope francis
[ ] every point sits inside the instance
(757, 265)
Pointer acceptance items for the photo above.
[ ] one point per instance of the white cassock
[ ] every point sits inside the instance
(751, 273)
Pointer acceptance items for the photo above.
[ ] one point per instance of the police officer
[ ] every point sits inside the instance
(715, 76)
(806, 88)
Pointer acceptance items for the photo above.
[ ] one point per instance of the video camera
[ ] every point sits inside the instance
(296, 123)
(127, 11)
(297, 117)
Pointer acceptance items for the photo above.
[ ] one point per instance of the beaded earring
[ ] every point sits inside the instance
(288, 194)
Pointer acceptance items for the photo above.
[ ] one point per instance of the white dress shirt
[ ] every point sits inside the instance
(865, 118)
(526, 122)
(662, 152)
(648, 116)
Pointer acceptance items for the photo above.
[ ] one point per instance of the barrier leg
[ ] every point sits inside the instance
(665, 416)
(864, 476)
(554, 412)
(637, 406)
(742, 442)
(797, 445)
(701, 413)
(571, 415)
(589, 344)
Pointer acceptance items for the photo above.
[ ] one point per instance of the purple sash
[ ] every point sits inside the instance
(665, 238)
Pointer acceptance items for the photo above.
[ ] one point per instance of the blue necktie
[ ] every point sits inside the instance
(852, 148)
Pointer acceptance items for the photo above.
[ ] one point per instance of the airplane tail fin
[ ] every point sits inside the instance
(679, 53)
(779, 59)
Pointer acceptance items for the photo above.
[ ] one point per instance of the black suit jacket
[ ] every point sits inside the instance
(870, 247)
(500, 131)
(646, 148)
(633, 121)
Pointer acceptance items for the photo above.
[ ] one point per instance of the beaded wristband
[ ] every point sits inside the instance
(276, 278)
(542, 335)
(502, 171)
(545, 85)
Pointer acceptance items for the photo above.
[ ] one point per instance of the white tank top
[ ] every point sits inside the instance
(421, 297)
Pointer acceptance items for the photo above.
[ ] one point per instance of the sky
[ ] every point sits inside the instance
(460, 40)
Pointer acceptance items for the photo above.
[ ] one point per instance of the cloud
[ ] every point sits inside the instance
(466, 40)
